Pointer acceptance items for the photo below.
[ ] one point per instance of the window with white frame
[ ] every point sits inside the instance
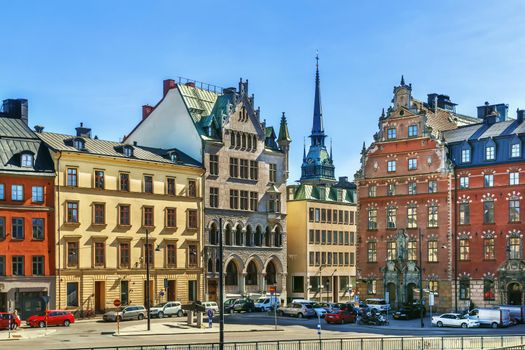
(412, 164)
(391, 217)
(463, 182)
(515, 150)
(372, 190)
(490, 152)
(514, 178)
(488, 180)
(465, 155)
(514, 209)
(412, 130)
(372, 219)
(391, 166)
(412, 216)
(432, 186)
(391, 189)
(433, 215)
(391, 133)
(26, 160)
(412, 188)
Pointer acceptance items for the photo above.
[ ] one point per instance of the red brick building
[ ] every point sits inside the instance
(404, 191)
(26, 214)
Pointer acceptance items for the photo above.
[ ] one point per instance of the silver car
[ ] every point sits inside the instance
(297, 309)
(137, 312)
(171, 308)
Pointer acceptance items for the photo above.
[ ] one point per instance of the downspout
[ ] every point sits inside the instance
(58, 206)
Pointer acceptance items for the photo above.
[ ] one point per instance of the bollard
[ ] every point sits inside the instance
(199, 319)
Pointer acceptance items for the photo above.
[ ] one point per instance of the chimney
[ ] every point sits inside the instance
(16, 109)
(343, 178)
(146, 111)
(39, 128)
(520, 115)
(190, 84)
(83, 132)
(167, 85)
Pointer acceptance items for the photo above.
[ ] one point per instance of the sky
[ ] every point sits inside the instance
(98, 62)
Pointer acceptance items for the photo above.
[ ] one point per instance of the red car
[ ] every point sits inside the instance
(5, 317)
(341, 316)
(54, 318)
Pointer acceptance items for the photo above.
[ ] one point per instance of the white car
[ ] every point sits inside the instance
(267, 303)
(211, 305)
(320, 310)
(454, 320)
(378, 304)
(171, 308)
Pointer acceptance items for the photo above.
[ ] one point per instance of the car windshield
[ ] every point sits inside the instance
(317, 306)
(308, 306)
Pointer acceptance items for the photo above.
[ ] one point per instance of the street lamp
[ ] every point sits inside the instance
(147, 281)
(421, 279)
(221, 289)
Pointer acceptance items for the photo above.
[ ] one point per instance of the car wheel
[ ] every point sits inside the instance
(440, 324)
(494, 325)
(41, 324)
(161, 314)
(140, 317)
(66, 323)
(180, 313)
(464, 325)
(300, 315)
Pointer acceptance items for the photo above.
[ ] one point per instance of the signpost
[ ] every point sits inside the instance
(116, 303)
(430, 304)
(45, 298)
(272, 290)
(387, 299)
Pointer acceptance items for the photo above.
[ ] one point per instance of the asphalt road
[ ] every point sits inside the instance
(97, 333)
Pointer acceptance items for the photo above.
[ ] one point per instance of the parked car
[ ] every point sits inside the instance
(517, 312)
(228, 305)
(319, 309)
(8, 319)
(361, 307)
(330, 307)
(491, 317)
(211, 305)
(378, 304)
(267, 303)
(409, 312)
(52, 317)
(345, 315)
(245, 305)
(130, 312)
(171, 308)
(454, 320)
(297, 309)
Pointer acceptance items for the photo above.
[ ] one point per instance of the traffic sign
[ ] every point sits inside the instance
(116, 302)
(272, 289)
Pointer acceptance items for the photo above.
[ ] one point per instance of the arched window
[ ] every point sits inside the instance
(277, 239)
(251, 274)
(217, 265)
(248, 240)
(267, 237)
(228, 235)
(213, 234)
(271, 273)
(258, 236)
(238, 236)
(231, 278)
(210, 265)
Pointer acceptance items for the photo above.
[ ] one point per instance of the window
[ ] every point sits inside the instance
(17, 228)
(72, 254)
(124, 215)
(18, 265)
(78, 144)
(433, 215)
(463, 182)
(391, 166)
(72, 179)
(214, 197)
(412, 216)
(38, 265)
(2, 192)
(391, 250)
(192, 255)
(489, 249)
(37, 194)
(346, 217)
(318, 215)
(244, 169)
(372, 190)
(371, 286)
(411, 251)
(515, 150)
(99, 179)
(38, 229)
(124, 257)
(391, 190)
(311, 235)
(514, 209)
(412, 131)
(347, 239)
(243, 200)
(514, 178)
(192, 219)
(488, 211)
(254, 170)
(334, 215)
(171, 217)
(99, 211)
(147, 216)
(488, 180)
(464, 249)
(273, 172)
(2, 227)
(26, 160)
(254, 198)
(124, 292)
(514, 248)
(274, 203)
(297, 284)
(412, 188)
(171, 252)
(391, 216)
(72, 294)
(234, 167)
(124, 182)
(432, 186)
(100, 254)
(412, 164)
(391, 133)
(149, 254)
(464, 213)
(372, 251)
(490, 152)
(234, 199)
(329, 216)
(148, 184)
(17, 192)
(128, 151)
(311, 214)
(214, 164)
(372, 219)
(465, 155)
(432, 247)
(317, 236)
(171, 188)
(489, 290)
(2, 265)
(464, 289)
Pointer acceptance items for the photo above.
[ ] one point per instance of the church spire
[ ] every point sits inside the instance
(317, 127)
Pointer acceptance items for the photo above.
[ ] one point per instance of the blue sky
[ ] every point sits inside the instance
(100, 61)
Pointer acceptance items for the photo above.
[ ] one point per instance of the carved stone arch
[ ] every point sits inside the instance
(235, 259)
(258, 263)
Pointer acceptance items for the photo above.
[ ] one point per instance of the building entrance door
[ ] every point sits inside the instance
(171, 290)
(30, 303)
(514, 292)
(100, 296)
(391, 287)
(410, 293)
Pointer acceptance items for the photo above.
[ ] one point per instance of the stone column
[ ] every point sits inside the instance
(262, 283)
(242, 282)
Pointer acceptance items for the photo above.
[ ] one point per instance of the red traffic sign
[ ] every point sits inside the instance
(272, 289)
(116, 302)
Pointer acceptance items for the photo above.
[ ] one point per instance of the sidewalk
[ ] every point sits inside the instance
(25, 333)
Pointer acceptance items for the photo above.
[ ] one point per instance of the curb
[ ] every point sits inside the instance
(176, 333)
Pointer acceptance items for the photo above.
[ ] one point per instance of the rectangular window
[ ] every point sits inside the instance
(274, 203)
(243, 200)
(464, 213)
(391, 250)
(234, 167)
(171, 188)
(346, 217)
(489, 290)
(311, 236)
(412, 164)
(193, 222)
(464, 249)
(17, 192)
(72, 212)
(72, 294)
(317, 215)
(171, 217)
(100, 254)
(372, 190)
(411, 251)
(334, 215)
(371, 286)
(347, 259)
(192, 291)
(254, 199)
(2, 227)
(148, 184)
(17, 228)
(214, 164)
(391, 166)
(490, 153)
(514, 178)
(171, 251)
(464, 182)
(352, 238)
(124, 292)
(329, 216)
(38, 229)
(18, 265)
(147, 217)
(311, 214)
(372, 219)
(124, 255)
(323, 258)
(317, 259)
(515, 248)
(234, 199)
(317, 236)
(72, 177)
(432, 247)
(99, 211)
(124, 182)
(488, 212)
(515, 150)
(465, 155)
(38, 265)
(329, 259)
(323, 215)
(372, 251)
(432, 216)
(99, 179)
(412, 216)
(254, 170)
(347, 238)
(391, 190)
(412, 188)
(2, 192)
(244, 169)
(37, 194)
(297, 284)
(412, 131)
(464, 289)
(72, 254)
(488, 180)
(214, 197)
(124, 215)
(192, 255)
(323, 236)
(432, 186)
(489, 249)
(336, 259)
(149, 253)
(391, 133)
(273, 172)
(352, 259)
(514, 210)
(2, 265)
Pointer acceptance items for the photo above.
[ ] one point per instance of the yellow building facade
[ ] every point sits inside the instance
(109, 196)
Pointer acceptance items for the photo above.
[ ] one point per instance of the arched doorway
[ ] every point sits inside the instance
(231, 278)
(271, 274)
(410, 293)
(391, 288)
(514, 292)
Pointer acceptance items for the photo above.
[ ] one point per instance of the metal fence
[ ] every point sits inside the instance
(388, 343)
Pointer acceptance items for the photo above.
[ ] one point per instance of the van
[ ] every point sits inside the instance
(267, 303)
(517, 312)
(491, 317)
(378, 304)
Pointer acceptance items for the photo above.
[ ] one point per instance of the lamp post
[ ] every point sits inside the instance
(221, 289)
(147, 281)
(421, 279)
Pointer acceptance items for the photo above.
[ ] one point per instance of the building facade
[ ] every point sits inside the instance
(405, 216)
(246, 171)
(109, 197)
(26, 214)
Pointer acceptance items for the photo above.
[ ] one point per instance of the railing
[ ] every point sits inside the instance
(509, 342)
(200, 85)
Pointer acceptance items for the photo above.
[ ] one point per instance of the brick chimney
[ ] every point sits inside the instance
(167, 85)
(146, 111)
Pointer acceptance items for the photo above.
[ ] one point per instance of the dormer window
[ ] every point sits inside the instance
(412, 130)
(515, 148)
(173, 157)
(128, 151)
(490, 150)
(26, 160)
(391, 133)
(465, 155)
(78, 144)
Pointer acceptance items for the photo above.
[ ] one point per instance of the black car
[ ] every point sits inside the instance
(409, 312)
(245, 305)
(228, 305)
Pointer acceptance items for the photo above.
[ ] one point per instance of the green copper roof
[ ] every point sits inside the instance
(284, 135)
(324, 193)
(200, 102)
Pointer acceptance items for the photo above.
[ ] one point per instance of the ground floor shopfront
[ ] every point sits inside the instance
(25, 294)
(333, 287)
